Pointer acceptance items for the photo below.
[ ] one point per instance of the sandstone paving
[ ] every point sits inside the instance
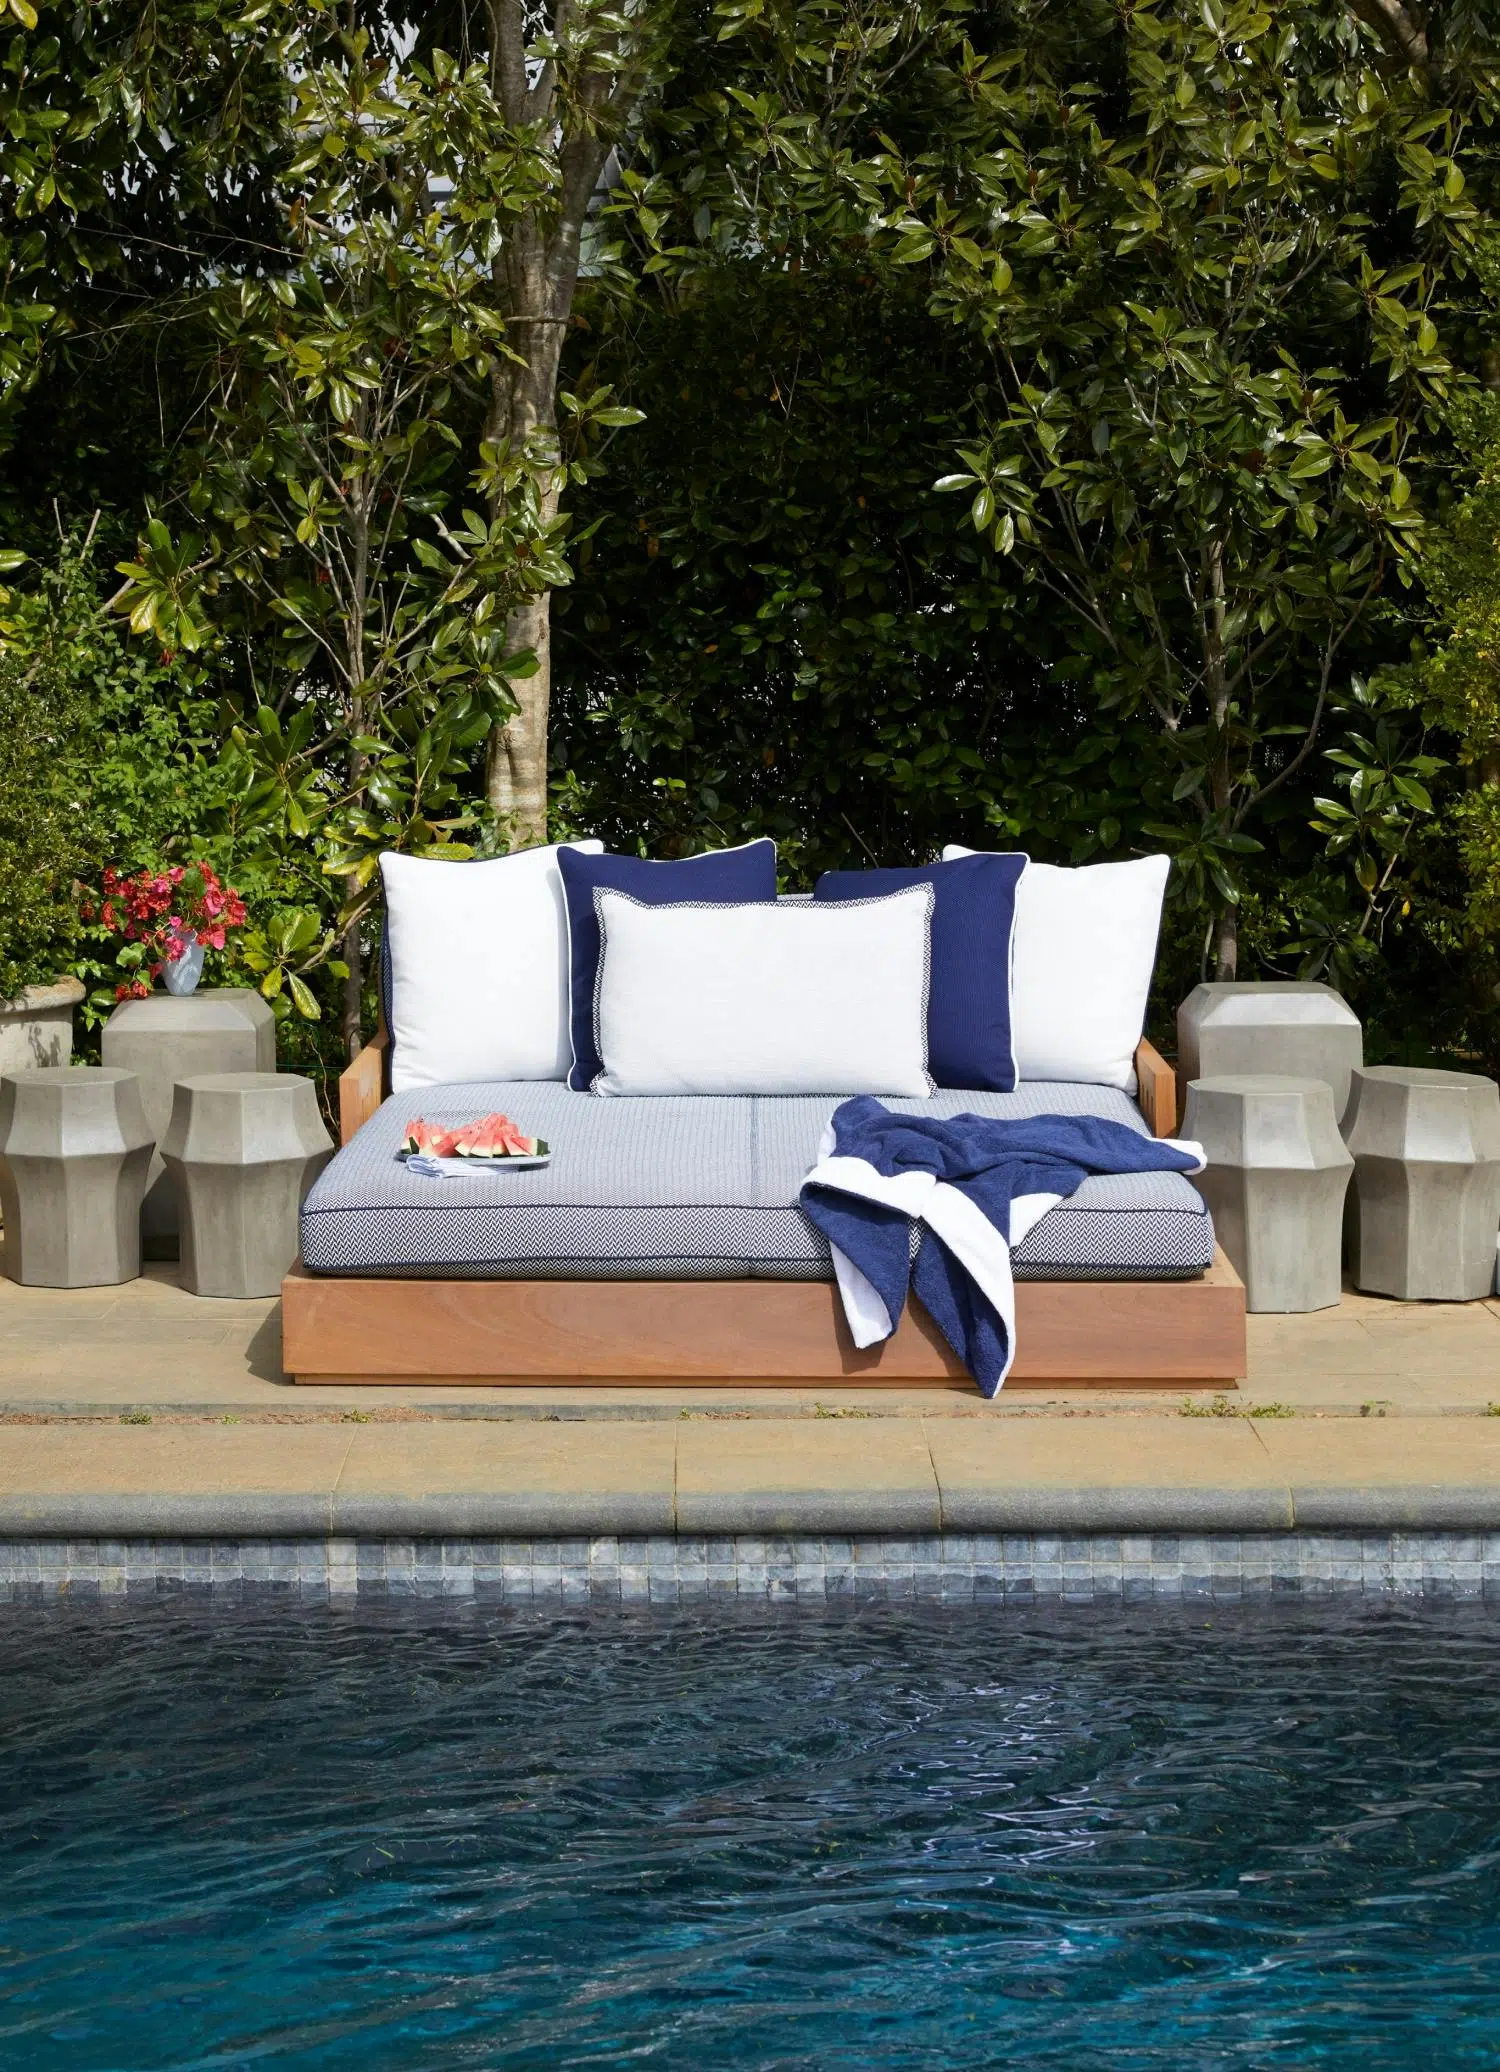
(1423, 1473)
(1107, 1474)
(437, 1478)
(796, 1476)
(174, 1480)
(508, 1478)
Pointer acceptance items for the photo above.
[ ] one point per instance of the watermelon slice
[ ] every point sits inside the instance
(492, 1137)
(425, 1139)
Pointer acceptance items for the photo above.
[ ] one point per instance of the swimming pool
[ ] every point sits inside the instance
(905, 1838)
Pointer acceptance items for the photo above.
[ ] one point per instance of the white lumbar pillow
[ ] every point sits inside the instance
(1084, 948)
(764, 998)
(479, 967)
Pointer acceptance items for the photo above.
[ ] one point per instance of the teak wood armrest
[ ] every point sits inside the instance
(362, 1084)
(1156, 1085)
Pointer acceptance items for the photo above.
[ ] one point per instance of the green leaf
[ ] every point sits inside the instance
(304, 998)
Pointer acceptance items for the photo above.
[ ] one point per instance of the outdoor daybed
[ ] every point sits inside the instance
(664, 1243)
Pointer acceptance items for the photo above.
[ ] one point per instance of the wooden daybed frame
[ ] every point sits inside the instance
(777, 1334)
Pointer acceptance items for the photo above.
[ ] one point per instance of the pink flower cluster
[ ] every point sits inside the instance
(169, 910)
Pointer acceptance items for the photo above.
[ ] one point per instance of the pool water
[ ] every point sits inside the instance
(887, 1837)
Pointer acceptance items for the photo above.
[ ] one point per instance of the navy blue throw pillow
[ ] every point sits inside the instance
(723, 876)
(969, 1042)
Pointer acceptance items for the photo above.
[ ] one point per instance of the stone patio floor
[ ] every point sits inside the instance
(141, 1409)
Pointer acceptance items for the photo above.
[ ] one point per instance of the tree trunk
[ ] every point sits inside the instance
(535, 277)
(1227, 946)
(517, 774)
(524, 403)
(354, 987)
(1400, 27)
(1221, 775)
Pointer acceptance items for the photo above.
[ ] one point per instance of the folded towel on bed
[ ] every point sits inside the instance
(976, 1187)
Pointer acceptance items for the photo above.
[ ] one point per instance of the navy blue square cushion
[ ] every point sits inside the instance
(969, 1042)
(723, 876)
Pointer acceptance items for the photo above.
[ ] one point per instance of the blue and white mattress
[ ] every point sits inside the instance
(695, 1189)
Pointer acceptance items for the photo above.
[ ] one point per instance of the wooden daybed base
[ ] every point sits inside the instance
(776, 1334)
(702, 1334)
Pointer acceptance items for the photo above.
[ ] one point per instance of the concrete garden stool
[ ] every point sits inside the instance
(75, 1148)
(1276, 1179)
(163, 1039)
(1306, 1030)
(1426, 1148)
(242, 1149)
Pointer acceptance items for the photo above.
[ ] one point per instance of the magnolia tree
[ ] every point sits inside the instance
(1209, 384)
(378, 471)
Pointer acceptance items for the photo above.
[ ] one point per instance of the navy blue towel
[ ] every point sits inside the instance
(976, 1186)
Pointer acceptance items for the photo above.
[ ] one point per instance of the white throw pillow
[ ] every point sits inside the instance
(1084, 952)
(769, 998)
(479, 967)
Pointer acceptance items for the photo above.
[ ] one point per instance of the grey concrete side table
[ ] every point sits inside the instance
(74, 1151)
(1306, 1031)
(1276, 1178)
(163, 1039)
(36, 1028)
(1426, 1148)
(243, 1148)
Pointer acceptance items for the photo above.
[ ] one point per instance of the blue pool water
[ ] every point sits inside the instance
(423, 1836)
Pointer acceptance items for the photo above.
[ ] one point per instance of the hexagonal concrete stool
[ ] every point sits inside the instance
(242, 1149)
(163, 1039)
(1305, 1031)
(1426, 1148)
(75, 1147)
(1276, 1179)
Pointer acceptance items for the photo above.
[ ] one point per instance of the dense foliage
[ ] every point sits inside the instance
(1063, 424)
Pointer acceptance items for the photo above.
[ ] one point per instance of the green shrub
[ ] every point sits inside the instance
(44, 827)
(109, 754)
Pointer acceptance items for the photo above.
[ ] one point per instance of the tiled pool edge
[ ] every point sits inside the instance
(673, 1569)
